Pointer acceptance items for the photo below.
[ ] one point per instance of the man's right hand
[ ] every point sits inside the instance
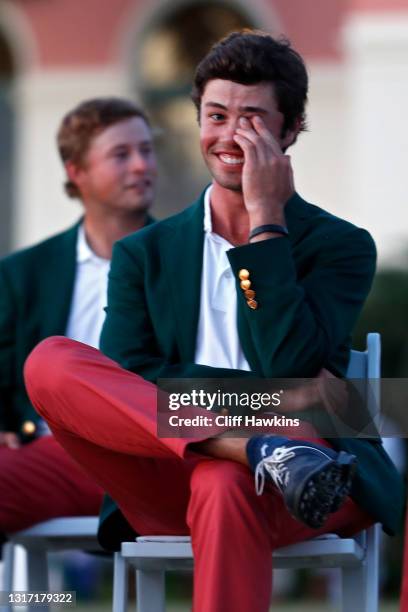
(267, 176)
(9, 439)
(325, 390)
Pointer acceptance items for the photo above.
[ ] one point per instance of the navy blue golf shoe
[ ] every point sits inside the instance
(313, 479)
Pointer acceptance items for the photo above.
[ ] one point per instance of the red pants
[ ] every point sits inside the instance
(106, 418)
(40, 481)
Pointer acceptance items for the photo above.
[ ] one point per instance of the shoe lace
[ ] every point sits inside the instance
(274, 465)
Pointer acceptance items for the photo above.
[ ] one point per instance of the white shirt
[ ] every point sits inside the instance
(89, 297)
(217, 343)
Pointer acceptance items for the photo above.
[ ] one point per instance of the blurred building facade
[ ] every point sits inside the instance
(55, 53)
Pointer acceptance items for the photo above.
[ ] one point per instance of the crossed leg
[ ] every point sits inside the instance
(105, 417)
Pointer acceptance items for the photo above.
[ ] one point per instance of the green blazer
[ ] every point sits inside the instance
(310, 289)
(36, 286)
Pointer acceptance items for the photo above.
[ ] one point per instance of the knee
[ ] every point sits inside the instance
(47, 367)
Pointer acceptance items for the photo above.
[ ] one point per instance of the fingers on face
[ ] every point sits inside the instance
(250, 141)
(247, 146)
(259, 135)
(262, 130)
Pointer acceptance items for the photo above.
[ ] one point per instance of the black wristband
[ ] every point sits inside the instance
(276, 229)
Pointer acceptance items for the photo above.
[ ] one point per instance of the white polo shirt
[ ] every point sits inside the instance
(89, 297)
(217, 342)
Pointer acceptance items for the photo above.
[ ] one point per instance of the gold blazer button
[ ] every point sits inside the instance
(243, 274)
(253, 304)
(249, 294)
(245, 284)
(28, 428)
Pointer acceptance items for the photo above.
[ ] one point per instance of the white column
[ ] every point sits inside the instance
(318, 155)
(377, 154)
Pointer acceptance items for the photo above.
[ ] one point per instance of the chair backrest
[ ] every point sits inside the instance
(367, 364)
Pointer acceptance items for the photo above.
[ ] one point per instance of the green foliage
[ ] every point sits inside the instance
(386, 312)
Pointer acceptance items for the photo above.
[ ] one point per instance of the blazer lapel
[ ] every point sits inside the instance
(183, 258)
(58, 282)
(297, 211)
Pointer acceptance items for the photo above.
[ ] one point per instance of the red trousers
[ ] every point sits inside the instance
(40, 481)
(105, 417)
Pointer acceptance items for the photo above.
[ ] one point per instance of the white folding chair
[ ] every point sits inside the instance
(357, 557)
(50, 536)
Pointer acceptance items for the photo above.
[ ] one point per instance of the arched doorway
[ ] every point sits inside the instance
(6, 146)
(170, 51)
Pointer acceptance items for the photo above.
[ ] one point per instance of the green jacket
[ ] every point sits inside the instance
(36, 286)
(310, 290)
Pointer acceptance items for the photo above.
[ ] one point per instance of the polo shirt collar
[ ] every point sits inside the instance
(83, 250)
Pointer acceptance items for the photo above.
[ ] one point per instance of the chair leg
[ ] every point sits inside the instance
(37, 575)
(373, 566)
(353, 579)
(150, 591)
(8, 572)
(361, 584)
(360, 592)
(37, 570)
(8, 568)
(120, 583)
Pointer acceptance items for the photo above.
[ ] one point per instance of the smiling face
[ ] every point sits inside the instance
(119, 170)
(222, 104)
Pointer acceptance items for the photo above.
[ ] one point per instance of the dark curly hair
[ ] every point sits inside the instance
(249, 57)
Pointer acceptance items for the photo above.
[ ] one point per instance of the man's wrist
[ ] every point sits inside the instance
(271, 229)
(266, 217)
